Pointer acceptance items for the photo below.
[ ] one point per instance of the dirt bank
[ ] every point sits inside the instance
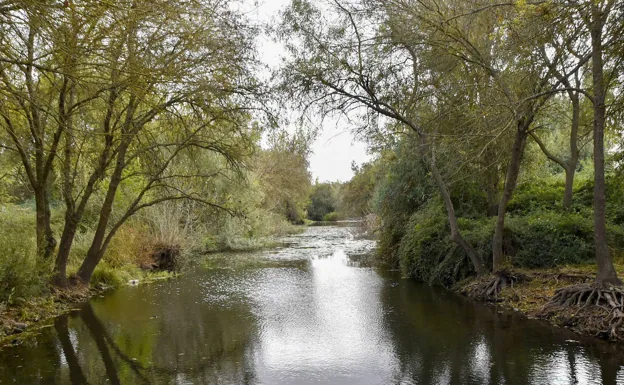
(578, 304)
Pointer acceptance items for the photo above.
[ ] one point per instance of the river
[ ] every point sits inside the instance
(317, 316)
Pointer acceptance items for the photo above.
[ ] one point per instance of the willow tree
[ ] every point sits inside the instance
(570, 53)
(30, 85)
(602, 22)
(119, 98)
(346, 60)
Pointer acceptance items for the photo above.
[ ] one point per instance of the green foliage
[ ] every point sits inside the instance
(538, 234)
(548, 239)
(111, 276)
(282, 175)
(428, 254)
(323, 200)
(424, 244)
(356, 195)
(331, 217)
(402, 190)
(21, 274)
(536, 196)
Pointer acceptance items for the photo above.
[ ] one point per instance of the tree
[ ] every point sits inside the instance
(348, 66)
(28, 103)
(596, 19)
(282, 171)
(120, 99)
(357, 194)
(323, 200)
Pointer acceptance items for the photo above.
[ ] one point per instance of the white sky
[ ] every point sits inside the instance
(335, 147)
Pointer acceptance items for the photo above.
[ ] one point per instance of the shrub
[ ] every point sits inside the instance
(424, 243)
(331, 217)
(531, 197)
(107, 275)
(548, 239)
(479, 233)
(538, 240)
(131, 245)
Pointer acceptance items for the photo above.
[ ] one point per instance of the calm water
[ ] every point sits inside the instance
(322, 319)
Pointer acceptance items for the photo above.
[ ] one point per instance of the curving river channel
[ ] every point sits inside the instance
(318, 316)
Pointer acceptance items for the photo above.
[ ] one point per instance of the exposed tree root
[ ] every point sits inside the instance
(489, 287)
(589, 308)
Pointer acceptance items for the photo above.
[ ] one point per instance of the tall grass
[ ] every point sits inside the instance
(21, 274)
(131, 254)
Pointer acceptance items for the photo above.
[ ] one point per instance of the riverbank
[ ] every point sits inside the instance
(28, 316)
(305, 312)
(530, 292)
(25, 316)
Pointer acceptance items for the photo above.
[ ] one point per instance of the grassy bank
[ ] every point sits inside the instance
(22, 316)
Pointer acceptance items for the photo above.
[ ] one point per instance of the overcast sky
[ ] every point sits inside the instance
(335, 147)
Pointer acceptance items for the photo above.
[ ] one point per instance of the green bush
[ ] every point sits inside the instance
(428, 254)
(531, 197)
(331, 217)
(548, 239)
(113, 276)
(538, 240)
(388, 240)
(425, 242)
(479, 233)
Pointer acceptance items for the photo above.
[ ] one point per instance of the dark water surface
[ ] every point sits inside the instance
(322, 319)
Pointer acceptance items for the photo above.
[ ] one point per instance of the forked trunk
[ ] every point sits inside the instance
(96, 250)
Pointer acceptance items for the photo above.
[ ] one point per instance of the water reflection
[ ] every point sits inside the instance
(456, 341)
(329, 321)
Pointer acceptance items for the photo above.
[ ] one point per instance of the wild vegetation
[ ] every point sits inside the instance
(133, 136)
(138, 133)
(497, 130)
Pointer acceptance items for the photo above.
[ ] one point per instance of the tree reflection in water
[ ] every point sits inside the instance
(451, 340)
(329, 321)
(88, 350)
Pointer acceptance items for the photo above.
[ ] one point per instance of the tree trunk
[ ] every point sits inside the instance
(45, 237)
(492, 199)
(513, 170)
(67, 238)
(570, 169)
(96, 252)
(570, 172)
(606, 272)
(491, 184)
(456, 236)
